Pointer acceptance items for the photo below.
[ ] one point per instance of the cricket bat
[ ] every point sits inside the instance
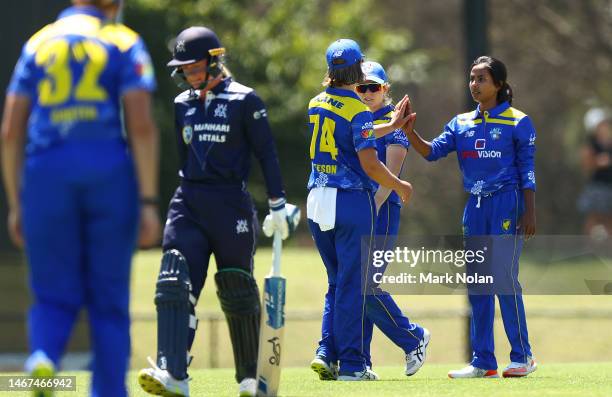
(272, 328)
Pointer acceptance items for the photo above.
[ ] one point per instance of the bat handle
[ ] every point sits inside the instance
(277, 246)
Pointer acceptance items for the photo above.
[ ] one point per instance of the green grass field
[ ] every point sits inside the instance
(558, 380)
(306, 285)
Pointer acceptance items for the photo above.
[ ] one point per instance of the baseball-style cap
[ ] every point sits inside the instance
(343, 53)
(374, 71)
(194, 44)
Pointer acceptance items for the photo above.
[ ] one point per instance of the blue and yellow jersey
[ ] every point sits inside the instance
(495, 149)
(75, 71)
(397, 137)
(341, 126)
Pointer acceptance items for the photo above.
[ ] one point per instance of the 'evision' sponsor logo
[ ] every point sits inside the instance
(481, 154)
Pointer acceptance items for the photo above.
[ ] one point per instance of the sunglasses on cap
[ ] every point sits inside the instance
(372, 87)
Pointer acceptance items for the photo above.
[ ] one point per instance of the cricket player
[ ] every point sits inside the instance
(495, 146)
(219, 124)
(381, 309)
(341, 207)
(76, 189)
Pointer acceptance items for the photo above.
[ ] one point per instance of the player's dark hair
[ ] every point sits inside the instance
(499, 73)
(345, 76)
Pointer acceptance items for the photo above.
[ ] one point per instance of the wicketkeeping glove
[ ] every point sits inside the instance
(282, 217)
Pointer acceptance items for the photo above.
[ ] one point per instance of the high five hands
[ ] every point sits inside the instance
(403, 117)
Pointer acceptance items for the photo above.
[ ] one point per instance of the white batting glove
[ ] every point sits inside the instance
(283, 217)
(277, 219)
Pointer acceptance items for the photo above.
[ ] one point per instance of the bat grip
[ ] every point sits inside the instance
(277, 246)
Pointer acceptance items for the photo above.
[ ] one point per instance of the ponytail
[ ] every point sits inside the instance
(505, 93)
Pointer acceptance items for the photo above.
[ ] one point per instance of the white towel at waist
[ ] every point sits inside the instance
(321, 207)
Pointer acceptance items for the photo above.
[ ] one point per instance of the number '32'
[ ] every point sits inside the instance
(57, 86)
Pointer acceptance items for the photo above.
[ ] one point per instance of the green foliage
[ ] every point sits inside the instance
(278, 48)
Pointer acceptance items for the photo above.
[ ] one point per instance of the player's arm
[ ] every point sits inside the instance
(524, 136)
(381, 174)
(144, 139)
(436, 149)
(260, 138)
(395, 159)
(365, 146)
(14, 122)
(137, 81)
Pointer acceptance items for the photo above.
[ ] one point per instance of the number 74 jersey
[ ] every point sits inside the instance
(341, 125)
(75, 71)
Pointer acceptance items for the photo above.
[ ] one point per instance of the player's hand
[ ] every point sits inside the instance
(282, 217)
(409, 126)
(150, 227)
(404, 191)
(276, 220)
(14, 227)
(401, 114)
(527, 224)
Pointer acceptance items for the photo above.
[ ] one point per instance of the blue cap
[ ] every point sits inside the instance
(343, 53)
(375, 72)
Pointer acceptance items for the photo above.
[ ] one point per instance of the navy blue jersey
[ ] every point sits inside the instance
(397, 137)
(495, 149)
(218, 132)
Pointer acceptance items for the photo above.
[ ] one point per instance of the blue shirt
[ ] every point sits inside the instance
(75, 71)
(397, 137)
(217, 133)
(341, 125)
(495, 149)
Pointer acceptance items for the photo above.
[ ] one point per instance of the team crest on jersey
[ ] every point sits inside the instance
(506, 223)
(187, 134)
(221, 110)
(242, 226)
(495, 133)
(190, 111)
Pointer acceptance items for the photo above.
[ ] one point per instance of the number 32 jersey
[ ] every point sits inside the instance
(341, 126)
(75, 71)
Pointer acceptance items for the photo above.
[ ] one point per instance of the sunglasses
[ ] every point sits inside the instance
(372, 87)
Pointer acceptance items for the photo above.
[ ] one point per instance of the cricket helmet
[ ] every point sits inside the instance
(195, 44)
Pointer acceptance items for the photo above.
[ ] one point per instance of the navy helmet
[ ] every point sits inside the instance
(192, 45)
(195, 44)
